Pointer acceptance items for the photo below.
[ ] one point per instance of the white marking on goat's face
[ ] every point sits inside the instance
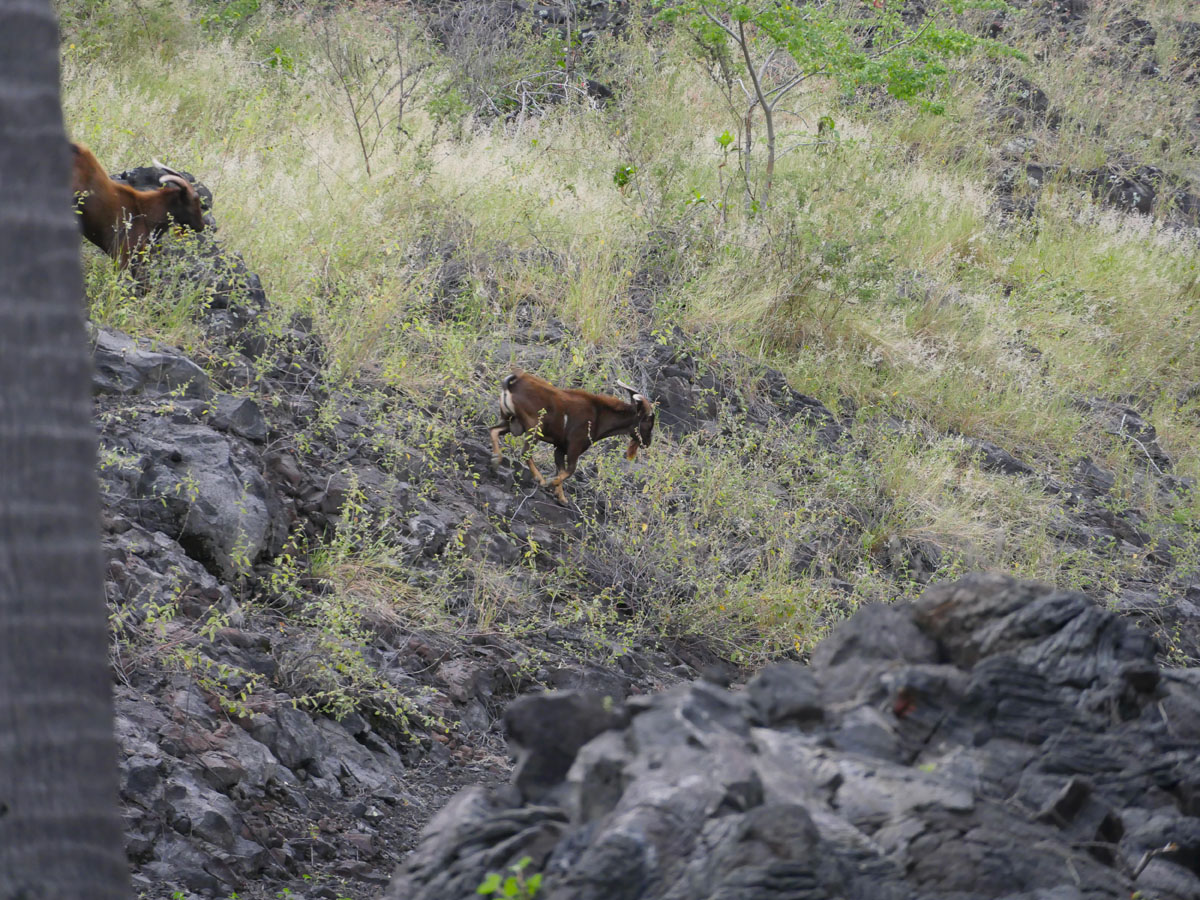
(564, 422)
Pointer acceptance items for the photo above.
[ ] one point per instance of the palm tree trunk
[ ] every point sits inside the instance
(60, 834)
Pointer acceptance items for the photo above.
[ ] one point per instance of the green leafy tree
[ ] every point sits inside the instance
(759, 53)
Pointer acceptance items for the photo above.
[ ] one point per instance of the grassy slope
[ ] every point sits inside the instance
(881, 282)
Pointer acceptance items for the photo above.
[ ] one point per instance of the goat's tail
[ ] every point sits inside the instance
(507, 410)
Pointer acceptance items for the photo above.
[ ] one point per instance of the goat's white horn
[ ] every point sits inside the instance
(165, 168)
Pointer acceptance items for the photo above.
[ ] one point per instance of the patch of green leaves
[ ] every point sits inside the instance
(515, 885)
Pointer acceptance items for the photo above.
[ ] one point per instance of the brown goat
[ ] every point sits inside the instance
(121, 220)
(571, 420)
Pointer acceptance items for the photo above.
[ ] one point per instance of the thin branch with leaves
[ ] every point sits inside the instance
(854, 42)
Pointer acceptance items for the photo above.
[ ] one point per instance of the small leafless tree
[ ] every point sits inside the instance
(374, 90)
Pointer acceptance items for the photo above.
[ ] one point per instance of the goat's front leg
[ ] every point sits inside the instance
(121, 252)
(135, 258)
(138, 272)
(133, 247)
(530, 439)
(565, 463)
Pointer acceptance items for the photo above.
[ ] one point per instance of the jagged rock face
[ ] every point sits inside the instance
(996, 739)
(187, 479)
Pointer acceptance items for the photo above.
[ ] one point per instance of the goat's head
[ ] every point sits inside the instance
(644, 430)
(183, 203)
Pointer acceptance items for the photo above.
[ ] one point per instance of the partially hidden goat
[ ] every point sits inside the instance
(569, 419)
(121, 220)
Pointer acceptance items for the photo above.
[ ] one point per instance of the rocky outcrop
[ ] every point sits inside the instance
(186, 479)
(994, 740)
(585, 21)
(1121, 184)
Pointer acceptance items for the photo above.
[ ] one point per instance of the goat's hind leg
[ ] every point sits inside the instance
(497, 453)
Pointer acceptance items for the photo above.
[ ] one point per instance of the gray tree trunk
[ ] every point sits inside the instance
(60, 833)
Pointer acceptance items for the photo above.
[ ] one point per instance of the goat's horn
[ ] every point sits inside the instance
(159, 165)
(175, 179)
(636, 395)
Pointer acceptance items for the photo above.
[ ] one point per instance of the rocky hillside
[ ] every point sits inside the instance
(993, 739)
(229, 636)
(954, 342)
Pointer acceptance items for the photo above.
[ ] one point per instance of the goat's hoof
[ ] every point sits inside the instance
(561, 500)
(494, 465)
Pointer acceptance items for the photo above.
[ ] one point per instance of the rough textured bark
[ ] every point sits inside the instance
(60, 834)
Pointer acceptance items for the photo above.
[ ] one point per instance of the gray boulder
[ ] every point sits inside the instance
(123, 365)
(189, 482)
